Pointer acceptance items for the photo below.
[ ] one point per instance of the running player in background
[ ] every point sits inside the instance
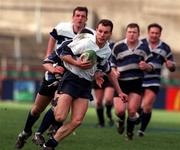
(130, 58)
(60, 33)
(79, 76)
(104, 96)
(162, 54)
(67, 30)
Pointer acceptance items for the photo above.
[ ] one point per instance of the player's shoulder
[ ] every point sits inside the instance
(144, 40)
(65, 29)
(164, 45)
(120, 45)
(120, 42)
(92, 30)
(63, 25)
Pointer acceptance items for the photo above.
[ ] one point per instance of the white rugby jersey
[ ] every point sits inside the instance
(82, 43)
(64, 31)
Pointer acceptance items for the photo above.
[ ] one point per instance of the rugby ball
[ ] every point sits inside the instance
(89, 55)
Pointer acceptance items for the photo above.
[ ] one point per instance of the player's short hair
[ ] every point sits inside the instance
(133, 25)
(80, 8)
(105, 22)
(156, 25)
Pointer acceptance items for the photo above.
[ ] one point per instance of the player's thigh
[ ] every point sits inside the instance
(99, 94)
(109, 94)
(62, 108)
(134, 101)
(79, 109)
(148, 98)
(41, 102)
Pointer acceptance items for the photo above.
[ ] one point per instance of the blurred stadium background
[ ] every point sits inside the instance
(25, 27)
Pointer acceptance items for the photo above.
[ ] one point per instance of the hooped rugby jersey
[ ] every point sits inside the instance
(126, 60)
(161, 53)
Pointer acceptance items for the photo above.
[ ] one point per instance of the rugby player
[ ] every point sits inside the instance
(162, 54)
(60, 33)
(130, 58)
(79, 76)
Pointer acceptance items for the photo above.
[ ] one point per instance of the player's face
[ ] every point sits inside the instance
(79, 19)
(103, 33)
(132, 35)
(154, 34)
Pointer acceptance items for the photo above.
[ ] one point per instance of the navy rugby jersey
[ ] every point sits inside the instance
(126, 60)
(160, 54)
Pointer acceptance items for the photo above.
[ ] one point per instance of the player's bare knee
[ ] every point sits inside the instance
(132, 114)
(147, 109)
(99, 105)
(59, 117)
(120, 112)
(76, 122)
(35, 111)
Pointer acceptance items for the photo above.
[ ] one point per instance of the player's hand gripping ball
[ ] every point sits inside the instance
(89, 55)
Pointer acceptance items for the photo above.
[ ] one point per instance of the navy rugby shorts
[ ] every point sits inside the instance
(105, 84)
(131, 86)
(76, 87)
(155, 89)
(48, 88)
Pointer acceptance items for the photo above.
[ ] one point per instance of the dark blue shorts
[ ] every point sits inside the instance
(155, 89)
(48, 88)
(105, 84)
(130, 86)
(74, 86)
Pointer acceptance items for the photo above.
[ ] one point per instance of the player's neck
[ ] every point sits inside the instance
(154, 44)
(132, 45)
(77, 29)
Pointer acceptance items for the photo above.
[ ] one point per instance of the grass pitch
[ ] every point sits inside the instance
(163, 132)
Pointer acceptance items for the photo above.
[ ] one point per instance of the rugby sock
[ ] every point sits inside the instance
(51, 142)
(108, 111)
(56, 125)
(145, 118)
(30, 122)
(130, 124)
(140, 111)
(46, 122)
(100, 114)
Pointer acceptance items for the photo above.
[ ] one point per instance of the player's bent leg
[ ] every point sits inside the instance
(108, 97)
(41, 102)
(119, 107)
(76, 118)
(99, 107)
(148, 101)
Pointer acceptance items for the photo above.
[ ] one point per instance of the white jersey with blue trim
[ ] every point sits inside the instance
(82, 43)
(64, 31)
(61, 33)
(161, 53)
